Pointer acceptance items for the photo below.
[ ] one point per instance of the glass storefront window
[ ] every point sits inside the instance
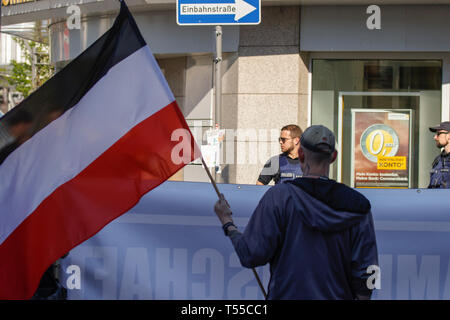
(380, 111)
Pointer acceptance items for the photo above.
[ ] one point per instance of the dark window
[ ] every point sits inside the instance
(420, 78)
(378, 77)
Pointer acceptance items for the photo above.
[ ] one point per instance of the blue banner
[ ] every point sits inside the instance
(171, 246)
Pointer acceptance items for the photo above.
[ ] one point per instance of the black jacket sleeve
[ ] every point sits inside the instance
(271, 170)
(365, 267)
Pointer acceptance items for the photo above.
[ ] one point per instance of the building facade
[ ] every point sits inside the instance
(378, 76)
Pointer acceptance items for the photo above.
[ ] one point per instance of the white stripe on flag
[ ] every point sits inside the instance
(56, 154)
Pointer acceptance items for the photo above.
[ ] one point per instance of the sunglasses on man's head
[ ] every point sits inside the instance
(441, 132)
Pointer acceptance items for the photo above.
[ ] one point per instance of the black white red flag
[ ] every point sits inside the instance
(82, 150)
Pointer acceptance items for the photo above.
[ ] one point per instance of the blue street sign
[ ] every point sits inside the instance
(218, 12)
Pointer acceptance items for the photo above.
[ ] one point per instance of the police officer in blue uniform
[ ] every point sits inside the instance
(439, 175)
(286, 165)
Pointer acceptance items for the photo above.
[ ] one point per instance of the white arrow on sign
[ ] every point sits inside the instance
(240, 9)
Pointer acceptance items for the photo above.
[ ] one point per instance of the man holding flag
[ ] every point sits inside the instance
(317, 234)
(110, 145)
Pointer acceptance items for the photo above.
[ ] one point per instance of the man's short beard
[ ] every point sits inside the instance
(440, 145)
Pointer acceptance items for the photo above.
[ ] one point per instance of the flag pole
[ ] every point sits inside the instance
(210, 177)
(218, 194)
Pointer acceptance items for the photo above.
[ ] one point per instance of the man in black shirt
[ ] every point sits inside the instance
(286, 165)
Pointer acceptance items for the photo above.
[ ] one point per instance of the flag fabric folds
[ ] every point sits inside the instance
(81, 151)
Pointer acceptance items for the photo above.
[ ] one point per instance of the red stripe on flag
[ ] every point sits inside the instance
(78, 209)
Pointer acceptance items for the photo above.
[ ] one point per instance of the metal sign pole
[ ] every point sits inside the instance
(218, 74)
(218, 87)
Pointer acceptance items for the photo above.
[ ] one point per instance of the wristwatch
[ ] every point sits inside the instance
(225, 227)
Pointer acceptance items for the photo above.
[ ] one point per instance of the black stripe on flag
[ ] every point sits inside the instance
(65, 89)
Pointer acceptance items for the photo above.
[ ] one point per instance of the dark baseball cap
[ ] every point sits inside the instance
(443, 126)
(318, 138)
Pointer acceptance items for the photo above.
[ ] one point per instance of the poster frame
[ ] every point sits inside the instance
(340, 135)
(352, 164)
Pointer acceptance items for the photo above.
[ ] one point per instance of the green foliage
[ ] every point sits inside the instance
(21, 73)
(20, 77)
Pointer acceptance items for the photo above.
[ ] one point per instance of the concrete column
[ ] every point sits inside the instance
(265, 88)
(174, 70)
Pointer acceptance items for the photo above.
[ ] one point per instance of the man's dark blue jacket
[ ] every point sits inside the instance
(318, 237)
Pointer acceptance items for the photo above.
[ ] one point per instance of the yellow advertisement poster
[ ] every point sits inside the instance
(381, 148)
